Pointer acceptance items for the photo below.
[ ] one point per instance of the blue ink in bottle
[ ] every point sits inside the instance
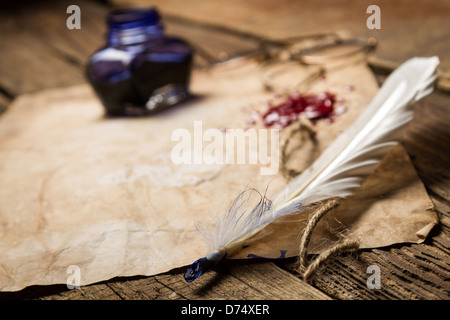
(140, 70)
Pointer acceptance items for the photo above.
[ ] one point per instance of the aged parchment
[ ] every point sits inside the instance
(104, 195)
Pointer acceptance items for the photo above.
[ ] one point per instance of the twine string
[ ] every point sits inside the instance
(344, 245)
(302, 130)
(340, 247)
(313, 220)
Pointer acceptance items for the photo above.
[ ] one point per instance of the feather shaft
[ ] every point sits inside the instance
(339, 170)
(364, 144)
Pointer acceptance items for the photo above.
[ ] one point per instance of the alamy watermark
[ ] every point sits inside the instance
(374, 20)
(74, 20)
(228, 146)
(374, 280)
(74, 279)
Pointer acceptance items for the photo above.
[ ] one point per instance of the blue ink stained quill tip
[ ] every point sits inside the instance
(203, 265)
(194, 271)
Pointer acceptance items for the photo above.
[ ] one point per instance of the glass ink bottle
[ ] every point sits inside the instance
(140, 70)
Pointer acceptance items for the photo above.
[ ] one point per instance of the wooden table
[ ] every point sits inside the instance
(38, 51)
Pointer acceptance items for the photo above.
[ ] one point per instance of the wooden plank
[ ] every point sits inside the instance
(428, 142)
(249, 280)
(421, 32)
(407, 272)
(36, 67)
(210, 45)
(46, 54)
(410, 271)
(39, 51)
(97, 292)
(233, 280)
(273, 281)
(144, 289)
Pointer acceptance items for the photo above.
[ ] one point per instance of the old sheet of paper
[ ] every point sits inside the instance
(105, 196)
(390, 207)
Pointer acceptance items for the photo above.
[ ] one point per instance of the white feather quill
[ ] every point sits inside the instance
(340, 169)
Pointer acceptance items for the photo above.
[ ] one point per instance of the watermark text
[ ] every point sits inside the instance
(229, 146)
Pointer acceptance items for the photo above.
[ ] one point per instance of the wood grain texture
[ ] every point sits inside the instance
(409, 271)
(408, 27)
(38, 51)
(253, 280)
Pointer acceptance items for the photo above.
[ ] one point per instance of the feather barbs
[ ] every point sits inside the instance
(338, 171)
